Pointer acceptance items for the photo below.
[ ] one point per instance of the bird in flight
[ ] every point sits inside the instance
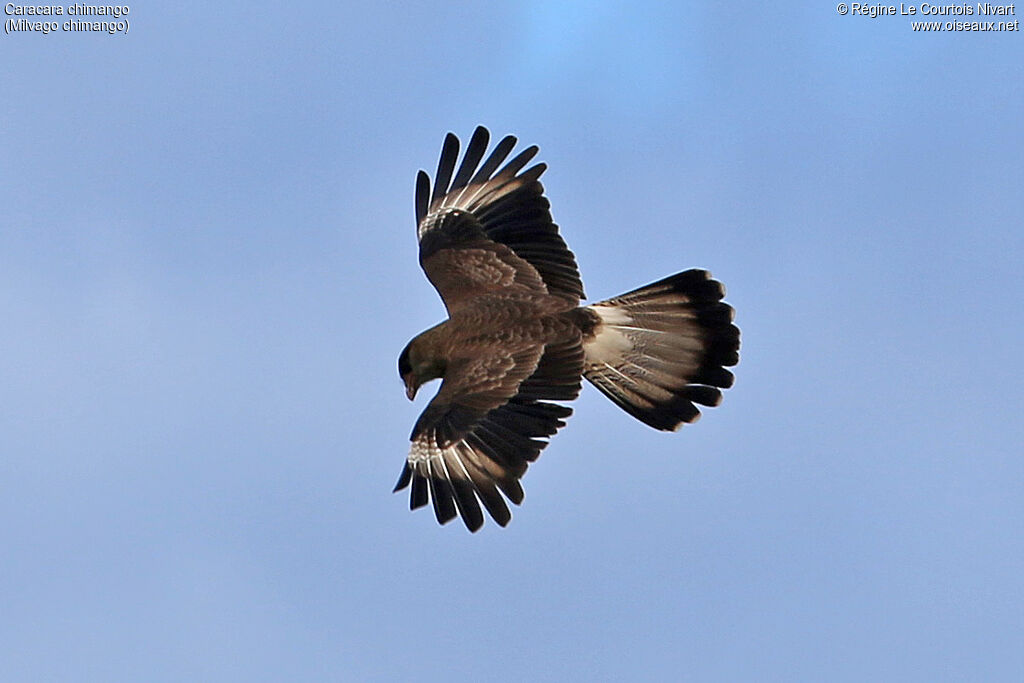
(516, 338)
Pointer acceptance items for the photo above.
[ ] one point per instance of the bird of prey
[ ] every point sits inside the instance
(516, 338)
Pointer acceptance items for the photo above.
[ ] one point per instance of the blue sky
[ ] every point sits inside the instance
(208, 268)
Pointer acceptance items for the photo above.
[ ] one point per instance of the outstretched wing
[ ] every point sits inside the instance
(464, 452)
(486, 231)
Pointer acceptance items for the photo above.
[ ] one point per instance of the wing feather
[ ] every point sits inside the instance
(445, 166)
(474, 449)
(474, 153)
(517, 163)
(462, 487)
(500, 153)
(503, 213)
(419, 495)
(422, 195)
(485, 489)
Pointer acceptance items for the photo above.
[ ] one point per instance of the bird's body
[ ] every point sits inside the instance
(517, 339)
(498, 324)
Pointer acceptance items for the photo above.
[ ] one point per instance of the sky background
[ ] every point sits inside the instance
(208, 269)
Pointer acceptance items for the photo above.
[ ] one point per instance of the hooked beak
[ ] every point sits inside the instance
(410, 386)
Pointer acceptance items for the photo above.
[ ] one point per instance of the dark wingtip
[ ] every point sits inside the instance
(474, 153)
(403, 479)
(422, 195)
(534, 172)
(516, 164)
(445, 166)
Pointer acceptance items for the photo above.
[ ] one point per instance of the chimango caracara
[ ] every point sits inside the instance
(517, 339)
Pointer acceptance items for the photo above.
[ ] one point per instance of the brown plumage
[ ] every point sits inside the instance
(517, 339)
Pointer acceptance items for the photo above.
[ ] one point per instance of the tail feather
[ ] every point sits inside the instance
(660, 349)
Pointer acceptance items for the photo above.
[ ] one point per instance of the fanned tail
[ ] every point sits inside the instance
(660, 349)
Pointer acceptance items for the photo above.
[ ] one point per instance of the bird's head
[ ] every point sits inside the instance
(416, 366)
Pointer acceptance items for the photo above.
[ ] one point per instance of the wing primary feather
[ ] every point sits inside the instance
(501, 151)
(485, 488)
(441, 495)
(445, 166)
(481, 196)
(510, 448)
(403, 479)
(474, 153)
(418, 496)
(533, 173)
(520, 160)
(422, 195)
(462, 487)
(492, 461)
(512, 489)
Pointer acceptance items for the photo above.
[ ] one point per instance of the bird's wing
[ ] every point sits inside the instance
(463, 451)
(487, 231)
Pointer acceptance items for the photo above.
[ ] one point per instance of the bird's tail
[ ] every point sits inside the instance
(660, 349)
